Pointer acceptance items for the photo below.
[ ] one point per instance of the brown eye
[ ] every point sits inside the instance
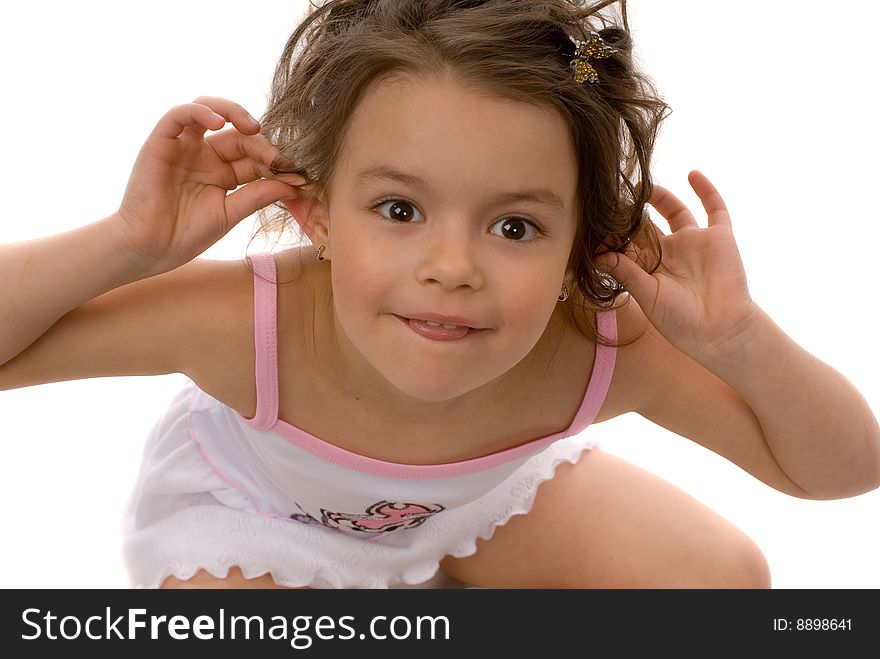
(399, 210)
(517, 229)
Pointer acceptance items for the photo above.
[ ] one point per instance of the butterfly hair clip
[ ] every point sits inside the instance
(594, 49)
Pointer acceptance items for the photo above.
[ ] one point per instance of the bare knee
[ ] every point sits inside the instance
(235, 579)
(718, 556)
(740, 563)
(755, 571)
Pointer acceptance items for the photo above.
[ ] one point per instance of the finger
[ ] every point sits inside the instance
(248, 169)
(232, 112)
(189, 116)
(626, 271)
(715, 207)
(672, 208)
(254, 196)
(230, 145)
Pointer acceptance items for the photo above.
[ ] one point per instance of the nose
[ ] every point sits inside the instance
(450, 258)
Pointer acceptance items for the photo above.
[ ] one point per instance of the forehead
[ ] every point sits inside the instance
(444, 132)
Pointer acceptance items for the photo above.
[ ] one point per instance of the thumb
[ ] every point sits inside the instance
(254, 196)
(627, 272)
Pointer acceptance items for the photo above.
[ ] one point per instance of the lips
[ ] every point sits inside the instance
(439, 332)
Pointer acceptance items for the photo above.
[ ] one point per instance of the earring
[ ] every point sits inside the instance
(319, 252)
(564, 296)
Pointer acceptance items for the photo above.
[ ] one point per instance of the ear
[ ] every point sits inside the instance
(311, 214)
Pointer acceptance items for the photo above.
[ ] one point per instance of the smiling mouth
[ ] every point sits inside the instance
(438, 331)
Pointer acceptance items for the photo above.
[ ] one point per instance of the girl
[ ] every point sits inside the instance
(468, 407)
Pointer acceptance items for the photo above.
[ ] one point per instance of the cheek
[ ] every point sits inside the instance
(529, 308)
(359, 278)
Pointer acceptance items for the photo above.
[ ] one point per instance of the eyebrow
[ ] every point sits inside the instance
(542, 197)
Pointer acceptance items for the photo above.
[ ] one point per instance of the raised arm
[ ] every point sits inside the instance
(176, 205)
(716, 369)
(124, 295)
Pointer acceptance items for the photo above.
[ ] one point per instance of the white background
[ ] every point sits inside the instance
(778, 109)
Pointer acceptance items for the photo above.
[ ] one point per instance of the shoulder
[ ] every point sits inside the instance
(577, 351)
(672, 390)
(225, 364)
(649, 373)
(224, 353)
(634, 338)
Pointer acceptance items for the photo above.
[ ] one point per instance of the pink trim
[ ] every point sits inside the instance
(265, 341)
(600, 378)
(267, 389)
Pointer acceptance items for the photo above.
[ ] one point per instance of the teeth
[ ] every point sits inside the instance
(433, 324)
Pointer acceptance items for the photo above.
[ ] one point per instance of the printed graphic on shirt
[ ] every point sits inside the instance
(381, 517)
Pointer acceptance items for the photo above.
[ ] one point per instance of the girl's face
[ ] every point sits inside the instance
(451, 202)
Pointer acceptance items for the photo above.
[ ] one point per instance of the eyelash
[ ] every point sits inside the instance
(538, 229)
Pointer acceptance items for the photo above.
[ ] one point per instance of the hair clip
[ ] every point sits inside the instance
(595, 48)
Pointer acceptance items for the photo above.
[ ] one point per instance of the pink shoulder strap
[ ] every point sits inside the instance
(603, 369)
(265, 340)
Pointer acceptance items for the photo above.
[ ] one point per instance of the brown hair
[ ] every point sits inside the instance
(515, 49)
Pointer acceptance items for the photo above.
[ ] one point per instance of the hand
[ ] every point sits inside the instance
(698, 298)
(176, 203)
